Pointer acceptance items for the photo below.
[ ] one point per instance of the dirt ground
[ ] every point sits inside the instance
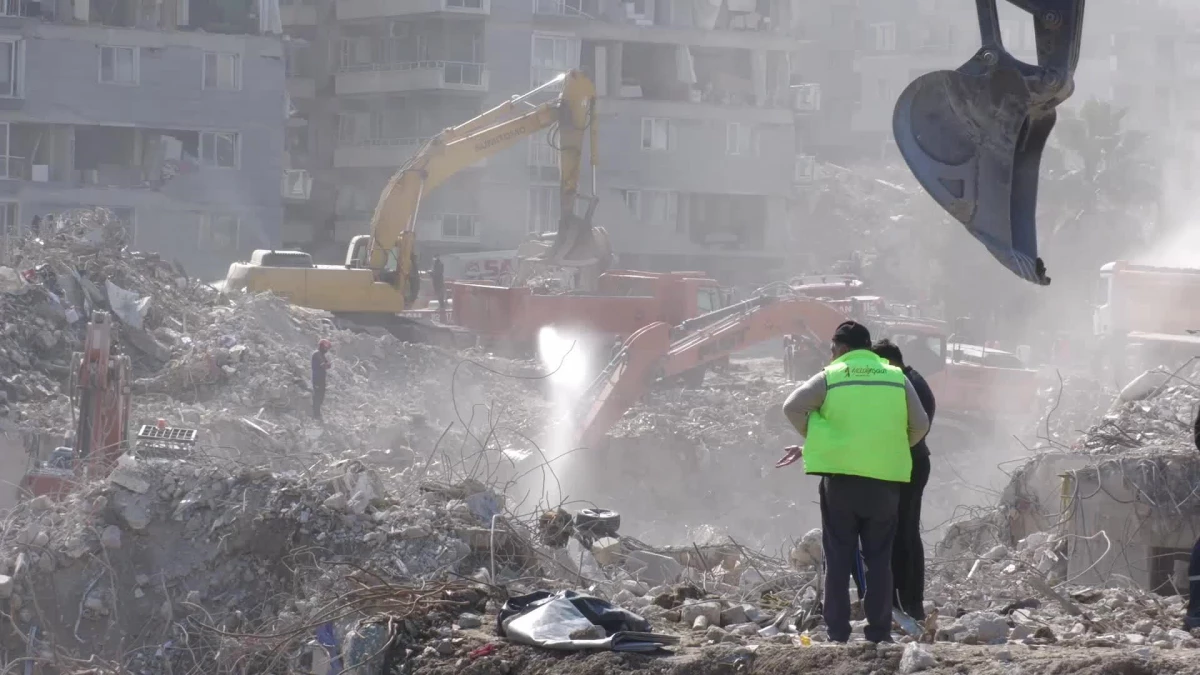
(855, 659)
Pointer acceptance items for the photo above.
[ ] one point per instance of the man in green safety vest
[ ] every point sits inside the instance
(859, 417)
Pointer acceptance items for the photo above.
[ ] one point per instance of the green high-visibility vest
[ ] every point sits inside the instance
(862, 427)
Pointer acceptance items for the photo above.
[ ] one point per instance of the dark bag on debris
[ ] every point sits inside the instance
(570, 621)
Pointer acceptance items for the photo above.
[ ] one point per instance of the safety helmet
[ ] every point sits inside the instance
(323, 343)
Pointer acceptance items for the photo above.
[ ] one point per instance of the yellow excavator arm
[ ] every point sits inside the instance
(379, 273)
(393, 226)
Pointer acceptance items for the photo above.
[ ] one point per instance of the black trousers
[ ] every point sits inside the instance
(1192, 620)
(318, 399)
(858, 514)
(908, 552)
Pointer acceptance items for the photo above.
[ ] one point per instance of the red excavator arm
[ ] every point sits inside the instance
(103, 402)
(660, 351)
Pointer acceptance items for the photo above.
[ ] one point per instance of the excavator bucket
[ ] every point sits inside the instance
(974, 137)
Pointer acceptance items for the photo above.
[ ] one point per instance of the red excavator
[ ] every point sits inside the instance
(661, 351)
(101, 398)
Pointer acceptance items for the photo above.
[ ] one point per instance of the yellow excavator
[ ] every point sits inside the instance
(379, 278)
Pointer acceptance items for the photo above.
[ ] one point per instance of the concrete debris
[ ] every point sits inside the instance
(916, 658)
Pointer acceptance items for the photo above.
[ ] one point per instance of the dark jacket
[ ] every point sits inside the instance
(930, 405)
(1196, 431)
(319, 365)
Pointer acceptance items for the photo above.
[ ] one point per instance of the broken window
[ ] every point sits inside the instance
(119, 65)
(543, 208)
(12, 68)
(219, 232)
(222, 71)
(219, 149)
(653, 207)
(552, 56)
(656, 133)
(458, 226)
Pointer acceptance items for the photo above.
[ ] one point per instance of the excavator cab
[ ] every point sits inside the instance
(974, 137)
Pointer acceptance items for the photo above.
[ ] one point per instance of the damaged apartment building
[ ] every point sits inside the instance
(171, 114)
(696, 118)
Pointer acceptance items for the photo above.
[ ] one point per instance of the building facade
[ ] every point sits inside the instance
(696, 121)
(131, 107)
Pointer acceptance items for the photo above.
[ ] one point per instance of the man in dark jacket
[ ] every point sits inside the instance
(1192, 620)
(320, 365)
(908, 552)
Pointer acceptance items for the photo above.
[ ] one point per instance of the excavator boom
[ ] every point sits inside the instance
(379, 277)
(659, 351)
(974, 137)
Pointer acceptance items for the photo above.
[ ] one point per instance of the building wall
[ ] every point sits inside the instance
(61, 85)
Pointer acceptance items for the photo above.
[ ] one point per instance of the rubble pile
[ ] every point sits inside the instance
(185, 562)
(1155, 412)
(236, 367)
(1068, 405)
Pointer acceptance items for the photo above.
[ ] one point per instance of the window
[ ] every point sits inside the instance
(805, 169)
(119, 65)
(465, 4)
(10, 224)
(222, 71)
(543, 208)
(739, 139)
(458, 226)
(219, 149)
(656, 133)
(552, 56)
(563, 7)
(219, 232)
(807, 97)
(653, 207)
(541, 153)
(885, 36)
(12, 68)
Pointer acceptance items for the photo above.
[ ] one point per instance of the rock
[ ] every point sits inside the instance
(623, 598)
(134, 513)
(1020, 632)
(111, 537)
(1135, 639)
(701, 623)
(808, 552)
(445, 648)
(607, 550)
(998, 552)
(6, 586)
(1004, 655)
(40, 539)
(983, 627)
(652, 568)
(41, 504)
(467, 621)
(744, 629)
(715, 634)
(690, 610)
(635, 587)
(916, 658)
(336, 502)
(734, 615)
(1144, 626)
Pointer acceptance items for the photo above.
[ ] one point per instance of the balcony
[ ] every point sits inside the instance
(378, 9)
(297, 185)
(451, 228)
(375, 78)
(376, 153)
(622, 22)
(298, 14)
(301, 88)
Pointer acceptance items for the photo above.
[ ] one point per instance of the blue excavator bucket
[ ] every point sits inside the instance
(974, 137)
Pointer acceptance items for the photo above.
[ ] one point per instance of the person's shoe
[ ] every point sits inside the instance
(1191, 622)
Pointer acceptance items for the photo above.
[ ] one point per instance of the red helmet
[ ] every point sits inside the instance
(324, 344)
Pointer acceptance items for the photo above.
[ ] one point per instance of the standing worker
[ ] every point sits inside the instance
(859, 416)
(1192, 620)
(320, 365)
(438, 276)
(908, 552)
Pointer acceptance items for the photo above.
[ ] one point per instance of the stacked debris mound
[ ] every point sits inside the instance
(52, 285)
(205, 565)
(1156, 412)
(1069, 405)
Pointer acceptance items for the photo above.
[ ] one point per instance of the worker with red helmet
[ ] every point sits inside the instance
(320, 365)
